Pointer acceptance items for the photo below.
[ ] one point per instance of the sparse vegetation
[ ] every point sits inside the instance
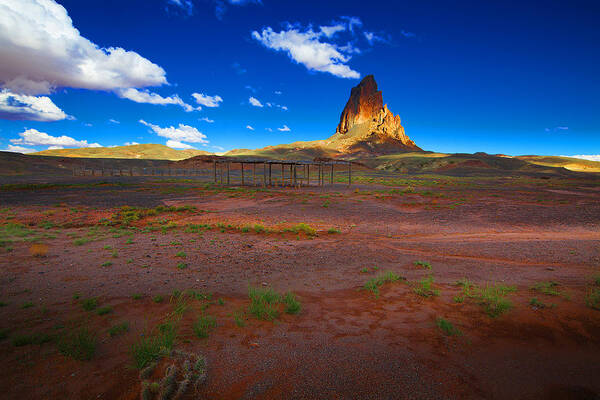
(263, 303)
(104, 310)
(89, 304)
(423, 264)
(547, 288)
(447, 327)
(373, 284)
(204, 325)
(78, 343)
(425, 287)
(182, 265)
(292, 305)
(154, 345)
(491, 297)
(158, 298)
(592, 298)
(181, 254)
(33, 338)
(106, 264)
(118, 329)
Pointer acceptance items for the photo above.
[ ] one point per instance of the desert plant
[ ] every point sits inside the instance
(447, 327)
(263, 303)
(154, 345)
(425, 287)
(78, 343)
(204, 325)
(592, 299)
(547, 288)
(423, 264)
(182, 265)
(181, 254)
(89, 304)
(292, 305)
(373, 284)
(104, 310)
(33, 338)
(158, 298)
(118, 329)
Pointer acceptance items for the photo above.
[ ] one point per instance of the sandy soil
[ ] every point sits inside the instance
(346, 342)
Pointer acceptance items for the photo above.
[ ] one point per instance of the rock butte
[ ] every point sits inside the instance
(366, 124)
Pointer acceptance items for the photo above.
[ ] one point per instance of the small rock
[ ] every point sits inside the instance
(550, 269)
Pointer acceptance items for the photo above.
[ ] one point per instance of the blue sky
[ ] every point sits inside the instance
(464, 76)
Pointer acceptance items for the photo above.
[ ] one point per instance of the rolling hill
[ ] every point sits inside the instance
(137, 151)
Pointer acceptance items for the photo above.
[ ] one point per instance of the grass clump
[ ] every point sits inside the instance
(425, 287)
(89, 304)
(447, 327)
(104, 310)
(547, 288)
(491, 297)
(592, 299)
(137, 296)
(158, 298)
(333, 231)
(292, 305)
(304, 228)
(258, 228)
(239, 317)
(118, 329)
(181, 254)
(27, 304)
(79, 344)
(263, 303)
(423, 264)
(373, 284)
(106, 264)
(34, 338)
(182, 265)
(81, 241)
(154, 345)
(204, 325)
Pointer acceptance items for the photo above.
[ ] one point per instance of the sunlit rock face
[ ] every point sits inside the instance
(367, 122)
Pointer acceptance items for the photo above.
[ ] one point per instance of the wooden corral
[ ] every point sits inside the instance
(252, 172)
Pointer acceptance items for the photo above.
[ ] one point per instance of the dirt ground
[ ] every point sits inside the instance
(61, 244)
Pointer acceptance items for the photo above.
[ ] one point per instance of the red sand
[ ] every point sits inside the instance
(345, 343)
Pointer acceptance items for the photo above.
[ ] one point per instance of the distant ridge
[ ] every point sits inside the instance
(136, 151)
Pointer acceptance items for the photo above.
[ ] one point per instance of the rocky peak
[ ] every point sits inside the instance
(364, 104)
(371, 119)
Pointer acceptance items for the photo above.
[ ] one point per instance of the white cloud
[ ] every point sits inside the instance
(145, 96)
(32, 108)
(277, 92)
(269, 129)
(373, 37)
(186, 5)
(18, 149)
(55, 148)
(407, 34)
(307, 48)
(33, 137)
(208, 101)
(285, 128)
(114, 121)
(87, 124)
(589, 157)
(130, 143)
(249, 127)
(183, 133)
(330, 31)
(255, 102)
(557, 129)
(41, 50)
(206, 119)
(250, 88)
(178, 145)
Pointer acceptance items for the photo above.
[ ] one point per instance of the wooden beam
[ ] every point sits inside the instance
(349, 173)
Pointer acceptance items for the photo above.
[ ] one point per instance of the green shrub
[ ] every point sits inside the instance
(118, 329)
(104, 310)
(292, 305)
(79, 343)
(373, 284)
(90, 304)
(154, 345)
(592, 299)
(204, 325)
(263, 303)
(447, 327)
(34, 338)
(423, 264)
(425, 287)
